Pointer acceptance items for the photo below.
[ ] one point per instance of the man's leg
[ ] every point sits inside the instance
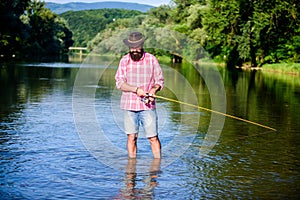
(155, 146)
(131, 145)
(131, 125)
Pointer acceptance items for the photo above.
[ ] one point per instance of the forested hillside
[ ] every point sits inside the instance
(86, 24)
(76, 6)
(236, 32)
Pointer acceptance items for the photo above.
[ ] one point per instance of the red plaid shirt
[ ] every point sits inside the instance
(145, 74)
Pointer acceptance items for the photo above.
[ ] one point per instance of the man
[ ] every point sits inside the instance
(139, 77)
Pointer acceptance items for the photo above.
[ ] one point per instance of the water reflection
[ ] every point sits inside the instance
(132, 189)
(23, 83)
(41, 154)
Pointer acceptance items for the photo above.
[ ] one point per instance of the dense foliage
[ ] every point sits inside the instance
(243, 31)
(257, 32)
(236, 32)
(28, 29)
(86, 24)
(11, 33)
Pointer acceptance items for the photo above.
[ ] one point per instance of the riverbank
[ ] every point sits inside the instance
(277, 68)
(286, 68)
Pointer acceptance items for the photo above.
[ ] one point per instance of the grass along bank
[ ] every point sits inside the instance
(286, 68)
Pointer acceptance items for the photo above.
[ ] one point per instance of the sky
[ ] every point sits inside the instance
(149, 2)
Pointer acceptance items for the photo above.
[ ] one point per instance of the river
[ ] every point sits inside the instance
(61, 135)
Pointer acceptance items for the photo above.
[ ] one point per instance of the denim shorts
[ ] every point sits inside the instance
(145, 118)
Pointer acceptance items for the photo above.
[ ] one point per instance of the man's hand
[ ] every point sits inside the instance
(153, 92)
(151, 97)
(140, 92)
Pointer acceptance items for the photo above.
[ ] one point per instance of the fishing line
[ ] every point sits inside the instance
(213, 111)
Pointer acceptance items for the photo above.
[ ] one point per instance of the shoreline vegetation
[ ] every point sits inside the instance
(286, 68)
(278, 68)
(235, 34)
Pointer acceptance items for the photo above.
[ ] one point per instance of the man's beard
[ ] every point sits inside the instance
(136, 55)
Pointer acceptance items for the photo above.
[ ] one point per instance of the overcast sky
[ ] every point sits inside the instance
(149, 2)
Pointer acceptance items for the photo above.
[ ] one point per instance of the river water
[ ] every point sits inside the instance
(61, 135)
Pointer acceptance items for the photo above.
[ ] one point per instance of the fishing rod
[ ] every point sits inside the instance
(213, 111)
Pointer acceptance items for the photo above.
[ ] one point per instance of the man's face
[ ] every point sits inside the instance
(136, 53)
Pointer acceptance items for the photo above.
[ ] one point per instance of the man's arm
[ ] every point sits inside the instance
(125, 87)
(155, 89)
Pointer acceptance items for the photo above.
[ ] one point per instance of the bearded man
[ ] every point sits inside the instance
(139, 77)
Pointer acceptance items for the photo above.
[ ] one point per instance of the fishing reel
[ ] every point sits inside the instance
(146, 99)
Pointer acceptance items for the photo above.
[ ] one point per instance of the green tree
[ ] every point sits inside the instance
(12, 29)
(257, 32)
(221, 24)
(242, 31)
(28, 29)
(49, 34)
(161, 14)
(276, 27)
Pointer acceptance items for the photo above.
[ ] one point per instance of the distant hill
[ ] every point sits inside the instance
(76, 6)
(86, 24)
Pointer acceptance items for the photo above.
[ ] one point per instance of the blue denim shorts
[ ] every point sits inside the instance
(145, 118)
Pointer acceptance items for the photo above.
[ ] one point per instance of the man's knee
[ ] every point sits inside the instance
(153, 139)
(132, 137)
